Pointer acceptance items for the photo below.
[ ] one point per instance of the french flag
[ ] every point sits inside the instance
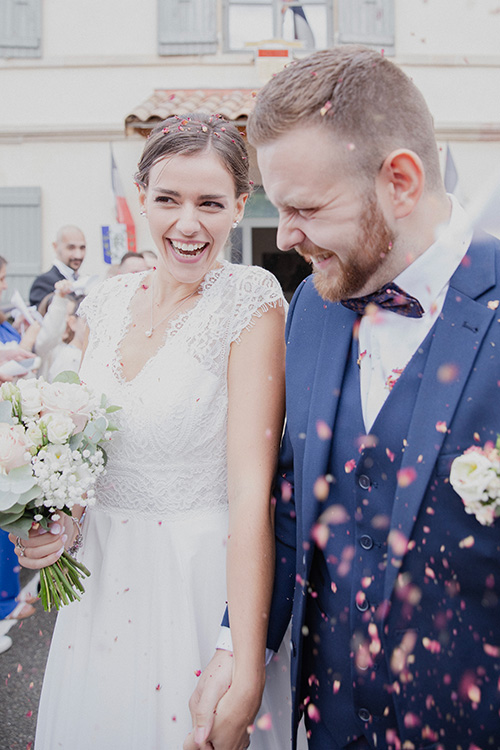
(123, 215)
(302, 30)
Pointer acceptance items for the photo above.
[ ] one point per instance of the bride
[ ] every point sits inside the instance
(193, 352)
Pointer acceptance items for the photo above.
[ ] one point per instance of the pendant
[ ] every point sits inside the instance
(148, 333)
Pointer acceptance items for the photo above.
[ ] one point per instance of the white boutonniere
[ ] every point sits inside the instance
(475, 476)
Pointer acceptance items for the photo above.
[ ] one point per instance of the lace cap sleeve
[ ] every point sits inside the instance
(257, 291)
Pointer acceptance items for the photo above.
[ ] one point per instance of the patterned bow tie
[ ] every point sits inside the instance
(391, 297)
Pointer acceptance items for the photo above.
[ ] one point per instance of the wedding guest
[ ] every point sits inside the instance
(10, 587)
(193, 352)
(68, 354)
(70, 248)
(150, 257)
(55, 308)
(132, 263)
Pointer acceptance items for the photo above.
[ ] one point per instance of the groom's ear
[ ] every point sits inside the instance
(401, 182)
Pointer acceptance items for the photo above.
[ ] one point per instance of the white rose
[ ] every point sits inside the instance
(12, 446)
(69, 398)
(34, 434)
(59, 428)
(470, 475)
(31, 400)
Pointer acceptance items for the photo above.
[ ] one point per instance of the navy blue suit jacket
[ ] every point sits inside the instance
(44, 284)
(452, 560)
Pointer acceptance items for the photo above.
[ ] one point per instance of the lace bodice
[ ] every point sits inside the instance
(169, 456)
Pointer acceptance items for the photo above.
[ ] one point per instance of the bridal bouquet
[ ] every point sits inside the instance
(475, 476)
(51, 454)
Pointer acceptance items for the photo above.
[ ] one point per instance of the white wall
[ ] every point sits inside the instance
(59, 113)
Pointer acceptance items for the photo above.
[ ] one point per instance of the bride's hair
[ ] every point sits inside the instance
(191, 134)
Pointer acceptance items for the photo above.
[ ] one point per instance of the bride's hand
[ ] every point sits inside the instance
(44, 548)
(212, 685)
(234, 715)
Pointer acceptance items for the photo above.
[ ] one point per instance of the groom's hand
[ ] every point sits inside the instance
(212, 685)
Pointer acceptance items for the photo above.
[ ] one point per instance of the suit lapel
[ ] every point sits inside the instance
(456, 341)
(332, 361)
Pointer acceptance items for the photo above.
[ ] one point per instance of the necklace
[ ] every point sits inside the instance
(152, 327)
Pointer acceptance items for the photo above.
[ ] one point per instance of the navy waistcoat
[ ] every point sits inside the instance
(346, 679)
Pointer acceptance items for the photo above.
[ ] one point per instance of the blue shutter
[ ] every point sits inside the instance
(187, 27)
(20, 237)
(20, 28)
(369, 22)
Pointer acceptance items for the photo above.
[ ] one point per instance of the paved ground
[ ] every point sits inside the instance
(21, 674)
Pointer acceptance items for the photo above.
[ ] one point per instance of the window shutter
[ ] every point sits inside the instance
(369, 22)
(20, 237)
(187, 27)
(20, 28)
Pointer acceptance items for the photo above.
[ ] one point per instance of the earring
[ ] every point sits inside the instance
(235, 223)
(143, 213)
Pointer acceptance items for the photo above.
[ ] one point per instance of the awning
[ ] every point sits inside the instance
(234, 104)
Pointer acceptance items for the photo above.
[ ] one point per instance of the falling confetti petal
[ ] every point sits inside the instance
(406, 476)
(265, 722)
(313, 713)
(349, 466)
(447, 373)
(441, 427)
(467, 542)
(321, 488)
(324, 431)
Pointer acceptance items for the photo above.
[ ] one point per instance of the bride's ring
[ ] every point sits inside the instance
(20, 546)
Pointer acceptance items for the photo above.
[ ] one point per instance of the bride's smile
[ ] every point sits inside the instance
(188, 224)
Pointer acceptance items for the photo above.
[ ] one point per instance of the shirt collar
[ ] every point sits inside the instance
(431, 272)
(66, 271)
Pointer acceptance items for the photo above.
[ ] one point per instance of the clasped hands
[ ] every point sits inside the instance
(223, 706)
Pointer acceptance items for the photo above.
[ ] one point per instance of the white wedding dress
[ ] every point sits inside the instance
(124, 661)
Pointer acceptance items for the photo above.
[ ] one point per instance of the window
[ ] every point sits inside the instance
(307, 21)
(187, 27)
(20, 28)
(20, 236)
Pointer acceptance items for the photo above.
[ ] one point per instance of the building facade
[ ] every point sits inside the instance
(81, 79)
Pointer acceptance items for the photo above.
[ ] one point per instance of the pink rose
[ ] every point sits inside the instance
(12, 446)
(67, 398)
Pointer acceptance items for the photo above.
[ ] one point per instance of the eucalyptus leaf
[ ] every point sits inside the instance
(67, 376)
(94, 431)
(112, 409)
(6, 412)
(8, 499)
(18, 480)
(12, 514)
(20, 527)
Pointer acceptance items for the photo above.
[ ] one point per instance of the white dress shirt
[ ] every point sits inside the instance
(387, 341)
(66, 271)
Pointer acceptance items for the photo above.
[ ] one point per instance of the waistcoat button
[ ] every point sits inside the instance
(364, 714)
(366, 541)
(364, 482)
(362, 605)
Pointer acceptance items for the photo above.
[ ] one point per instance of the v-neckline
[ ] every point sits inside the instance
(204, 288)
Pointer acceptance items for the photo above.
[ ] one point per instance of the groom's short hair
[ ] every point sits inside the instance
(365, 100)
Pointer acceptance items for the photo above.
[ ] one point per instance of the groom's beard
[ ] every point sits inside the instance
(367, 254)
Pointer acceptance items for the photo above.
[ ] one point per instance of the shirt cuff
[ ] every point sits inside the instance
(225, 643)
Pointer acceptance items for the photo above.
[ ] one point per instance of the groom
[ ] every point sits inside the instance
(393, 370)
